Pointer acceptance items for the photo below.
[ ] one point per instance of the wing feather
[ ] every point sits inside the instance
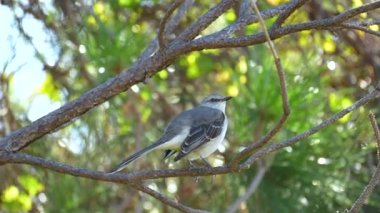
(200, 134)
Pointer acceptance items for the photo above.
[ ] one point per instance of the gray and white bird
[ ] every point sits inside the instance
(194, 133)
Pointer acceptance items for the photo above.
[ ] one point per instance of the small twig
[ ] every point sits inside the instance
(284, 95)
(164, 199)
(375, 128)
(205, 20)
(244, 20)
(170, 26)
(285, 15)
(375, 179)
(366, 23)
(361, 28)
(251, 189)
(161, 29)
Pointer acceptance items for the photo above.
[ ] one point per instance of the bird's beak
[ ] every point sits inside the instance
(227, 98)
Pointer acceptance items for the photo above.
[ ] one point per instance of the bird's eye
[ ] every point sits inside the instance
(214, 100)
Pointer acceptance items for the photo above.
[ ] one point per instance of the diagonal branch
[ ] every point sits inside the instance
(204, 21)
(376, 130)
(361, 28)
(251, 188)
(375, 180)
(284, 95)
(166, 200)
(285, 15)
(274, 147)
(249, 19)
(146, 67)
(143, 68)
(170, 26)
(161, 30)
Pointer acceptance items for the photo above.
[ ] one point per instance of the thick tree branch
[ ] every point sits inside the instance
(151, 62)
(131, 177)
(212, 42)
(142, 69)
(146, 67)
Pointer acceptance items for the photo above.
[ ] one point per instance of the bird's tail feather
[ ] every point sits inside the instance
(135, 156)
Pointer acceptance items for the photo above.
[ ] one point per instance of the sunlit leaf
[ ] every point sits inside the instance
(329, 45)
(233, 90)
(163, 74)
(374, 27)
(146, 114)
(31, 184)
(275, 2)
(223, 76)
(339, 103)
(242, 65)
(10, 194)
(193, 72)
(357, 3)
(48, 88)
(230, 16)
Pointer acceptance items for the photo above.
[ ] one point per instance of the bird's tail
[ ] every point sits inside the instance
(135, 156)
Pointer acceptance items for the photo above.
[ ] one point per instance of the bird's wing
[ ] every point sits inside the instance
(201, 133)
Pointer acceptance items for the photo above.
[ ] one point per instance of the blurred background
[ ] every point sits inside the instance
(51, 52)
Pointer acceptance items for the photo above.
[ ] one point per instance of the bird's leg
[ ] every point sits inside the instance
(209, 166)
(191, 164)
(206, 162)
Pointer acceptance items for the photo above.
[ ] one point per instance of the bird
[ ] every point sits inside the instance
(193, 134)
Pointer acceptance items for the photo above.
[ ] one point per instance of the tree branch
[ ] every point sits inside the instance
(361, 28)
(204, 21)
(274, 147)
(251, 189)
(285, 15)
(376, 130)
(284, 95)
(161, 30)
(166, 200)
(245, 19)
(375, 177)
(151, 62)
(212, 42)
(146, 67)
(171, 25)
(131, 177)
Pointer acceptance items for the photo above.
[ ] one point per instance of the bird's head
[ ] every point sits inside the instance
(215, 101)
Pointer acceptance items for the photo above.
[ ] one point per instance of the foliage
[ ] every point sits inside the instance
(323, 173)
